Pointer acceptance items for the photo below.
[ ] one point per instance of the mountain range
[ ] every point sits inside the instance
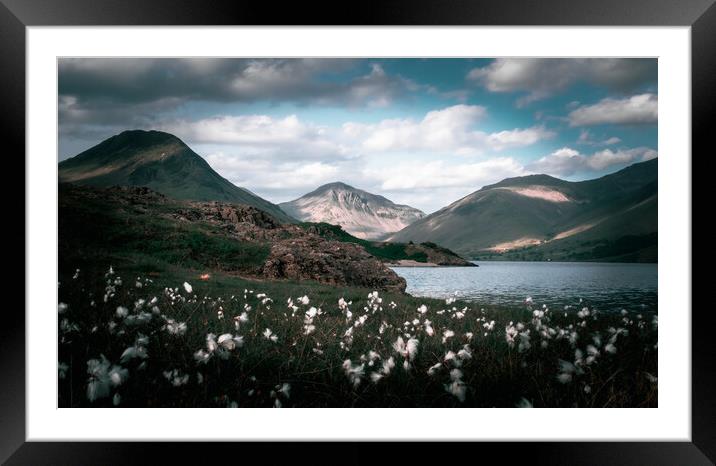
(162, 162)
(360, 213)
(536, 217)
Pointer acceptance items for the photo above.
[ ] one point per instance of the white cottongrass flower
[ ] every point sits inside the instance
(434, 368)
(118, 375)
(175, 328)
(285, 390)
(423, 309)
(304, 300)
(62, 369)
(353, 372)
(447, 334)
(651, 378)
(408, 350)
(99, 382)
(61, 308)
(457, 387)
(201, 356)
(388, 366)
(137, 351)
(269, 335)
(176, 378)
(610, 348)
(523, 403)
(116, 399)
(188, 288)
(464, 353)
(230, 342)
(122, 312)
(428, 328)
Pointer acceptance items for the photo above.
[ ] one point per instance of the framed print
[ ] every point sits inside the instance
(408, 223)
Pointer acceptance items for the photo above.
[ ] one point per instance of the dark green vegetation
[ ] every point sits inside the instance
(161, 162)
(390, 251)
(630, 248)
(166, 369)
(609, 218)
(101, 230)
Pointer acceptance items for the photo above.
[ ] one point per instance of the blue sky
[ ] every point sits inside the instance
(423, 132)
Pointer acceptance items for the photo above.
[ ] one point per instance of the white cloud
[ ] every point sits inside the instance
(585, 137)
(287, 137)
(447, 130)
(287, 179)
(637, 109)
(567, 161)
(543, 77)
(440, 174)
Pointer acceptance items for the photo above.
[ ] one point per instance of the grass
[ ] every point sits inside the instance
(313, 365)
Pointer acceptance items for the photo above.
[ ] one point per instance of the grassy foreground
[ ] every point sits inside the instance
(133, 340)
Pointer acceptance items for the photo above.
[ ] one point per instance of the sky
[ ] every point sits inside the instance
(421, 132)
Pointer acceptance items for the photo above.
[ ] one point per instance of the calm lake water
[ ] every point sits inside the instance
(606, 286)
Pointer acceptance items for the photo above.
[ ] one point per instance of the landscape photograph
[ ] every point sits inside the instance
(357, 232)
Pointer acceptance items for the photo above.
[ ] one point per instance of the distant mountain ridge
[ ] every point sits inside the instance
(542, 217)
(159, 161)
(360, 213)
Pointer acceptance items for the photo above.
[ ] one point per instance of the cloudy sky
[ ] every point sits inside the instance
(422, 132)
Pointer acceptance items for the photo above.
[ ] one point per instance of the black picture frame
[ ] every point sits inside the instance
(16, 15)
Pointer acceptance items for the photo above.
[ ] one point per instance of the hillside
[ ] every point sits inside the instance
(159, 161)
(540, 217)
(138, 227)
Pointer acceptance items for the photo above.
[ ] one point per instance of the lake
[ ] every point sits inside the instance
(605, 286)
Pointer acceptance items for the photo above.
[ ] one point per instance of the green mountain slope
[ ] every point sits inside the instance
(159, 161)
(541, 217)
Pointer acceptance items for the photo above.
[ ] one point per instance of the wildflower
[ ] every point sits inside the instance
(434, 368)
(269, 335)
(188, 288)
(388, 366)
(99, 382)
(523, 403)
(204, 276)
(447, 334)
(353, 372)
(464, 353)
(118, 375)
(61, 308)
(304, 300)
(122, 312)
(175, 328)
(285, 390)
(230, 342)
(651, 378)
(201, 356)
(428, 328)
(610, 348)
(423, 309)
(132, 352)
(62, 369)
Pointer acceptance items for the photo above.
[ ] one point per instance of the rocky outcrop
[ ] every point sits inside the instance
(332, 262)
(295, 253)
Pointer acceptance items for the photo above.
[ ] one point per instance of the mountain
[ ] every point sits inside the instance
(360, 213)
(541, 217)
(159, 161)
